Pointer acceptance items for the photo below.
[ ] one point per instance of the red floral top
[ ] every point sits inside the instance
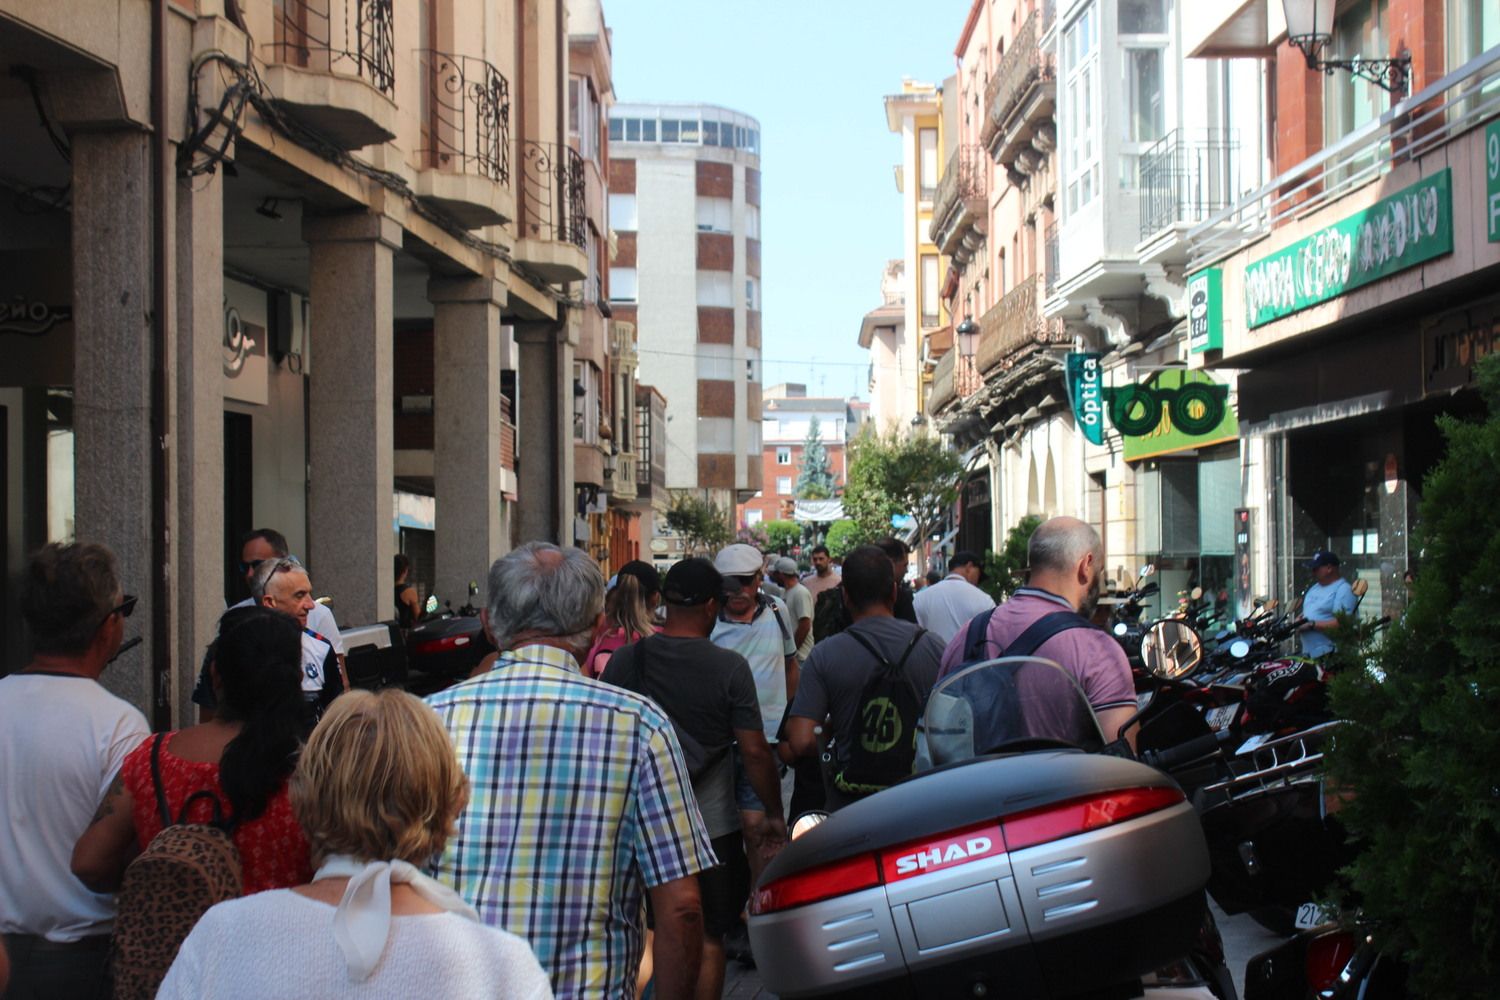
(273, 850)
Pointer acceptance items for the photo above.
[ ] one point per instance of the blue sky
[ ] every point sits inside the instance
(814, 73)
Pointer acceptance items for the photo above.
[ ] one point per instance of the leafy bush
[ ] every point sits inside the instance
(701, 525)
(890, 474)
(1005, 570)
(781, 536)
(843, 537)
(1420, 756)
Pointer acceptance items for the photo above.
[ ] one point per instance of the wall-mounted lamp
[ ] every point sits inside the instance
(1309, 26)
(965, 334)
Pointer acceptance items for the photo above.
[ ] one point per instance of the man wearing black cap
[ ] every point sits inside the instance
(1329, 595)
(709, 694)
(946, 607)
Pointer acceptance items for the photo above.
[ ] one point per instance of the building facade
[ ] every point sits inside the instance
(788, 415)
(311, 198)
(685, 206)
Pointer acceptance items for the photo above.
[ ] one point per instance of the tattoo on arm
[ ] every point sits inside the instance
(107, 807)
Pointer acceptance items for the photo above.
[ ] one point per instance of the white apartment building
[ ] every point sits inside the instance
(685, 210)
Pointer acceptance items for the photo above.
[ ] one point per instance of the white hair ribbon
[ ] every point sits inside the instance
(362, 922)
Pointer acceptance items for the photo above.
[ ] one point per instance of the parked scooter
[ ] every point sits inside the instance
(1125, 622)
(1023, 847)
(443, 648)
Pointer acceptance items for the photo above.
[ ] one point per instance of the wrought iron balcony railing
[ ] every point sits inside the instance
(553, 192)
(1023, 66)
(466, 116)
(1187, 176)
(960, 194)
(338, 36)
(1016, 322)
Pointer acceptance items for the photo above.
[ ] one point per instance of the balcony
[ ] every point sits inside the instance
(958, 210)
(1185, 178)
(1015, 324)
(622, 480)
(553, 212)
(332, 69)
(464, 154)
(1019, 103)
(943, 389)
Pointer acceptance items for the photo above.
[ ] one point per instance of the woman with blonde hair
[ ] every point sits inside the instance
(377, 790)
(629, 613)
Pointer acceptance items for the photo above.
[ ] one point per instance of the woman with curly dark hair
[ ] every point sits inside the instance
(243, 758)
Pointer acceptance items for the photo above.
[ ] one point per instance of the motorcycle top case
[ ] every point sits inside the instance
(1044, 874)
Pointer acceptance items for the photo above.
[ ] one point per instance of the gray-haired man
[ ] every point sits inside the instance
(580, 802)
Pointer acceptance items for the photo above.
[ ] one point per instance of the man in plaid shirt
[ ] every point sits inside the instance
(581, 803)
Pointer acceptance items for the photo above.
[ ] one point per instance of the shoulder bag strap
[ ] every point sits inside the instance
(871, 647)
(909, 647)
(978, 635)
(1044, 628)
(161, 795)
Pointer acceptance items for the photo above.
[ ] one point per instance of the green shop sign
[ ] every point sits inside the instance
(1175, 410)
(1205, 291)
(1492, 180)
(1409, 227)
(1085, 391)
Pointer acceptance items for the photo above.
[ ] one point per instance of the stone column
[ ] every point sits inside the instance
(351, 513)
(199, 471)
(112, 286)
(466, 431)
(545, 431)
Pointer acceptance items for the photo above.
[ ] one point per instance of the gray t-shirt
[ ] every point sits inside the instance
(799, 601)
(706, 691)
(835, 675)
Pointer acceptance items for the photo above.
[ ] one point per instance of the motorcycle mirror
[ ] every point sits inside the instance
(1196, 593)
(806, 822)
(1260, 602)
(473, 590)
(1121, 628)
(1239, 649)
(1148, 570)
(1172, 649)
(432, 604)
(1272, 604)
(1360, 588)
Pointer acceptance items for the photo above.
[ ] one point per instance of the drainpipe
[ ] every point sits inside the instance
(161, 651)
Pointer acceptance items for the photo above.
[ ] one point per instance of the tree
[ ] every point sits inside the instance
(701, 525)
(1005, 570)
(842, 538)
(815, 480)
(1417, 755)
(890, 475)
(782, 535)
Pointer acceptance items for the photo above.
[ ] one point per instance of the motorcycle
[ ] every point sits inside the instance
(1018, 846)
(1125, 621)
(443, 648)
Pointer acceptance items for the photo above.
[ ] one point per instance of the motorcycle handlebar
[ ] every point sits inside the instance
(1166, 760)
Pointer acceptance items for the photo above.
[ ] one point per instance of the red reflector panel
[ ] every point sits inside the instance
(834, 879)
(1326, 958)
(934, 854)
(1068, 819)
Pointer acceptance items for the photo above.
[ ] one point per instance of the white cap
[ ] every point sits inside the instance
(738, 560)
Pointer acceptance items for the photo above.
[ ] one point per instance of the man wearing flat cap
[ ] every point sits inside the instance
(1329, 595)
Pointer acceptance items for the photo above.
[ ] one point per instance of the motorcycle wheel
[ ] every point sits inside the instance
(1276, 919)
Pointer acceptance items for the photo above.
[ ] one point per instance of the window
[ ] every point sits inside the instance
(929, 290)
(592, 283)
(1143, 17)
(585, 404)
(1145, 93)
(752, 222)
(711, 133)
(715, 215)
(753, 517)
(783, 456)
(752, 293)
(622, 217)
(927, 163)
(648, 130)
(1473, 27)
(583, 116)
(617, 130)
(715, 288)
(784, 486)
(1349, 102)
(688, 130)
(632, 130)
(622, 284)
(669, 130)
(1080, 103)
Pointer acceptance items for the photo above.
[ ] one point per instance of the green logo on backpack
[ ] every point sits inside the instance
(880, 726)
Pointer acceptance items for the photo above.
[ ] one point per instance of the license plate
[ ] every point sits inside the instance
(1220, 718)
(1312, 915)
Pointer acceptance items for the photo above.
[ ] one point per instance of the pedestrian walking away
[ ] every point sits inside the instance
(833, 689)
(709, 695)
(62, 741)
(945, 607)
(580, 801)
(1065, 557)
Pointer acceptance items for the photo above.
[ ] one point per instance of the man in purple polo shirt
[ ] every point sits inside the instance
(1066, 560)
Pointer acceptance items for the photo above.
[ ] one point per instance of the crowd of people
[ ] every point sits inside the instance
(584, 816)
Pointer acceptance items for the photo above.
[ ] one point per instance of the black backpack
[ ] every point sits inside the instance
(698, 759)
(884, 749)
(830, 617)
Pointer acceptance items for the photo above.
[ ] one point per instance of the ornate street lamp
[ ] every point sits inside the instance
(965, 336)
(1309, 26)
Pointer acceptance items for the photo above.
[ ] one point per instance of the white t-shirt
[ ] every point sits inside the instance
(947, 606)
(280, 944)
(62, 740)
(765, 642)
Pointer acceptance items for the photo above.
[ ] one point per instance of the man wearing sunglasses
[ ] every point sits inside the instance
(62, 738)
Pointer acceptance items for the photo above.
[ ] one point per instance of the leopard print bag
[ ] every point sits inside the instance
(186, 868)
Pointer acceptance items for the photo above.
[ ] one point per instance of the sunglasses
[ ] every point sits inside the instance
(125, 607)
(733, 583)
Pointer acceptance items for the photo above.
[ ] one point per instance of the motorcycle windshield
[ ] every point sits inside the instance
(1009, 705)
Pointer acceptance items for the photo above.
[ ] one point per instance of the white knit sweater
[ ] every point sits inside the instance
(279, 944)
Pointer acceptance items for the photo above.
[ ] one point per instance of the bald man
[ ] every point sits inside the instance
(1066, 561)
